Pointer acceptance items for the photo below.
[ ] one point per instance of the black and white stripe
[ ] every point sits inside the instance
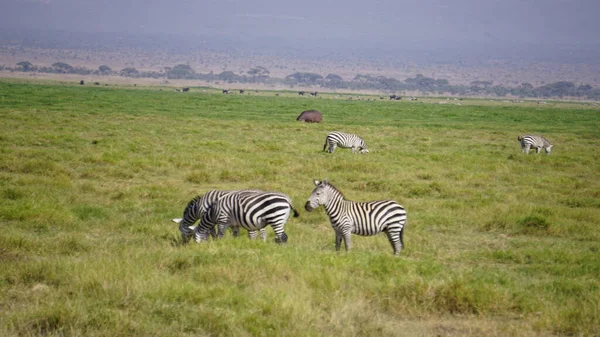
(344, 140)
(196, 208)
(362, 218)
(250, 210)
(536, 142)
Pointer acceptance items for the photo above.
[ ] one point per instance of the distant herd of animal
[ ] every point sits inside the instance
(254, 210)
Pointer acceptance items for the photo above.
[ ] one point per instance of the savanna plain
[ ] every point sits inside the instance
(498, 243)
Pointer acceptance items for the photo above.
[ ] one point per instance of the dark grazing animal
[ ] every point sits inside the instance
(310, 116)
(361, 218)
(225, 91)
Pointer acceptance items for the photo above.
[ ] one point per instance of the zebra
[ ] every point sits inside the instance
(537, 142)
(251, 211)
(344, 140)
(196, 208)
(362, 218)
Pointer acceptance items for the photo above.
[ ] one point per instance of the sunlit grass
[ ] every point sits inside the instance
(497, 242)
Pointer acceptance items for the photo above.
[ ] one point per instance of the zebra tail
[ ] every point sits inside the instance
(325, 145)
(402, 238)
(296, 214)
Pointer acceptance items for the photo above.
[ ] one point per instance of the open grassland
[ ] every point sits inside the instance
(498, 243)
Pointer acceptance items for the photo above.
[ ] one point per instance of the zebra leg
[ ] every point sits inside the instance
(263, 234)
(282, 238)
(222, 228)
(185, 238)
(201, 236)
(527, 147)
(348, 240)
(338, 240)
(252, 235)
(395, 239)
(235, 231)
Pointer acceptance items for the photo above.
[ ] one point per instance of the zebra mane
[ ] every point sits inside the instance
(192, 205)
(327, 183)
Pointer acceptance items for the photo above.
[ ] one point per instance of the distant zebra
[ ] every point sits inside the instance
(344, 140)
(194, 211)
(251, 211)
(537, 142)
(362, 218)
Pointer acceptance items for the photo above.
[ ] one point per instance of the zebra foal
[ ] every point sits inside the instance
(362, 218)
(344, 140)
(536, 142)
(250, 210)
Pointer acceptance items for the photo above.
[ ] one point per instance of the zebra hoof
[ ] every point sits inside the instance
(282, 239)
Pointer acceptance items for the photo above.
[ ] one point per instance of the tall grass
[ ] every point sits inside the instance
(497, 242)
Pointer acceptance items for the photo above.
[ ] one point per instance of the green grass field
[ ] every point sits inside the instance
(498, 243)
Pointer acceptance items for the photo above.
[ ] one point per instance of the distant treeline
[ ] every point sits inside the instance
(260, 74)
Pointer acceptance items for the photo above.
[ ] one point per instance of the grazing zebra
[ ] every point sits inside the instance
(537, 142)
(251, 211)
(362, 218)
(196, 208)
(344, 140)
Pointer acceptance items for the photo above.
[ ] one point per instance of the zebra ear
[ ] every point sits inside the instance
(325, 182)
(178, 220)
(316, 182)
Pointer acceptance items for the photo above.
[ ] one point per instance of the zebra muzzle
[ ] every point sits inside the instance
(308, 207)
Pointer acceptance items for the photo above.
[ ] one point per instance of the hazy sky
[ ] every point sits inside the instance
(429, 21)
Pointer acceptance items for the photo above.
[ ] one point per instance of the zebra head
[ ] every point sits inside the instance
(362, 148)
(549, 148)
(318, 196)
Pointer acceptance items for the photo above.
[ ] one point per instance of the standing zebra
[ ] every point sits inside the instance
(362, 218)
(344, 140)
(196, 208)
(537, 142)
(251, 211)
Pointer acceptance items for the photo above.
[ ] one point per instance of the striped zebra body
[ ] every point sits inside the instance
(344, 140)
(536, 142)
(251, 211)
(194, 211)
(361, 218)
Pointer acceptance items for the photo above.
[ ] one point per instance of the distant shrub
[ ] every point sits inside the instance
(582, 203)
(12, 194)
(533, 224)
(199, 177)
(495, 224)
